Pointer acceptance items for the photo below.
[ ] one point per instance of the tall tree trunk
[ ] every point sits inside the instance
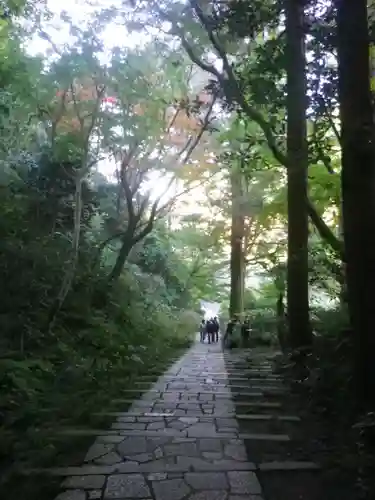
(297, 168)
(358, 184)
(245, 244)
(236, 253)
(343, 285)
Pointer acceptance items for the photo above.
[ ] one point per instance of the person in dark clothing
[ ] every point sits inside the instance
(245, 331)
(217, 328)
(202, 330)
(228, 332)
(211, 327)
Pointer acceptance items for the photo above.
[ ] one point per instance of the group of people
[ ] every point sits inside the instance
(209, 329)
(237, 332)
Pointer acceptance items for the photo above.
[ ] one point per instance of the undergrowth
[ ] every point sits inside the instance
(341, 430)
(59, 377)
(67, 383)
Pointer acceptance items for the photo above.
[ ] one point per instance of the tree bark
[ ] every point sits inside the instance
(127, 243)
(236, 253)
(297, 169)
(358, 184)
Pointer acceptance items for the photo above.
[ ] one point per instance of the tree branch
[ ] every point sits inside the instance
(325, 232)
(253, 114)
(205, 124)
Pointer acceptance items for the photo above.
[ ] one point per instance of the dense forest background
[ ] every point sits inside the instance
(156, 154)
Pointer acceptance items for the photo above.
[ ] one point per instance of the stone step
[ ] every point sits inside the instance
(132, 416)
(282, 418)
(173, 404)
(215, 394)
(152, 434)
(188, 414)
(215, 382)
(203, 396)
(263, 437)
(186, 464)
(123, 433)
(228, 374)
(218, 375)
(223, 375)
(288, 466)
(134, 467)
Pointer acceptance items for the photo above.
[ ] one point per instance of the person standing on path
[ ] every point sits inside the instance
(211, 330)
(236, 333)
(217, 328)
(228, 333)
(245, 331)
(202, 330)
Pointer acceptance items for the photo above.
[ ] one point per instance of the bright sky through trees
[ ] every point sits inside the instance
(79, 11)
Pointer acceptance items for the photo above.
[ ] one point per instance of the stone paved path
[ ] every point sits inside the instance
(181, 440)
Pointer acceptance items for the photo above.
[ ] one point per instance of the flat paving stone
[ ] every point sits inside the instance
(157, 476)
(207, 444)
(181, 449)
(98, 450)
(244, 483)
(236, 451)
(245, 497)
(127, 486)
(84, 482)
(189, 420)
(94, 494)
(171, 489)
(207, 480)
(110, 458)
(72, 495)
(133, 445)
(209, 495)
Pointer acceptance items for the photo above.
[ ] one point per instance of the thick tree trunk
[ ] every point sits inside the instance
(236, 254)
(297, 167)
(358, 184)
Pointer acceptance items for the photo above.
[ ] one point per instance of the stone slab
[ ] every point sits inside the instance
(207, 480)
(283, 418)
(244, 483)
(288, 465)
(265, 404)
(171, 489)
(84, 482)
(264, 437)
(72, 495)
(126, 486)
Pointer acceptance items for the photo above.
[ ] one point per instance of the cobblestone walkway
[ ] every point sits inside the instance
(181, 440)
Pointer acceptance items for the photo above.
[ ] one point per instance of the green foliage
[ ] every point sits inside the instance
(105, 332)
(61, 359)
(92, 349)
